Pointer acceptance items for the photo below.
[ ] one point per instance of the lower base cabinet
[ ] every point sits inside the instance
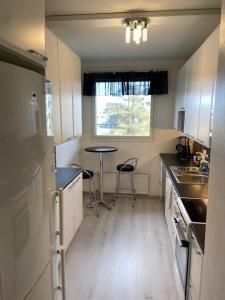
(72, 210)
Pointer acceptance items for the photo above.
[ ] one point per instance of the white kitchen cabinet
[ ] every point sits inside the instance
(180, 96)
(78, 203)
(168, 208)
(66, 91)
(52, 74)
(64, 71)
(72, 210)
(188, 94)
(195, 269)
(197, 95)
(76, 90)
(209, 67)
(22, 23)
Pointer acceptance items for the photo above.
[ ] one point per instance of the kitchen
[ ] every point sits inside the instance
(68, 28)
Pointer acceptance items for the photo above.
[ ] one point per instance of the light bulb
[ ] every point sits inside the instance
(144, 34)
(139, 31)
(135, 34)
(127, 34)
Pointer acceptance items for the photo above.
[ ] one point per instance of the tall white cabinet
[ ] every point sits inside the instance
(195, 91)
(64, 71)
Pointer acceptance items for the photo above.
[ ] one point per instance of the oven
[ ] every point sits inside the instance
(181, 243)
(181, 251)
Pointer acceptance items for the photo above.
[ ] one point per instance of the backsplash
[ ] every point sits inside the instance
(196, 147)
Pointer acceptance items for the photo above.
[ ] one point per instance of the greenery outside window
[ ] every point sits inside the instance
(123, 115)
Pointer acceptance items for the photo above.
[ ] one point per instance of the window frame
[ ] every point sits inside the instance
(120, 138)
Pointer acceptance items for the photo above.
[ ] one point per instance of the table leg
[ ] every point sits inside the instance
(101, 183)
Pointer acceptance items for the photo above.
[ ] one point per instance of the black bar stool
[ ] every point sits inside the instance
(89, 175)
(128, 167)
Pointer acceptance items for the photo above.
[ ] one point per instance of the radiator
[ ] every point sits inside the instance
(141, 183)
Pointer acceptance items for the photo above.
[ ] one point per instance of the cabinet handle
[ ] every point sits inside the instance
(77, 179)
(196, 247)
(61, 235)
(73, 183)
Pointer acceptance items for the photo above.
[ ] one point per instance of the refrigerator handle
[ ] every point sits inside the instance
(62, 287)
(61, 237)
(63, 274)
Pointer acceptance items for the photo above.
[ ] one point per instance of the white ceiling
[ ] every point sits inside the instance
(170, 37)
(112, 6)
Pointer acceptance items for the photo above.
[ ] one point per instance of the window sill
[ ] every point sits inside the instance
(123, 139)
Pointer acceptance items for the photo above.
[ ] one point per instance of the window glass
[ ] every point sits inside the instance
(128, 116)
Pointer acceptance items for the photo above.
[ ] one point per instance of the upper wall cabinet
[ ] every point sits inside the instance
(195, 91)
(64, 71)
(22, 23)
(209, 69)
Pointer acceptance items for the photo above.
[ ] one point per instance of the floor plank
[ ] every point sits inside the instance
(122, 255)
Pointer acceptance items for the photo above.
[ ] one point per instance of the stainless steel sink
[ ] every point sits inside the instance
(189, 175)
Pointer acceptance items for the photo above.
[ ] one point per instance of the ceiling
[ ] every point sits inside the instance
(101, 37)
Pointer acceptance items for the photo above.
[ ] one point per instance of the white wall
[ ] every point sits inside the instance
(67, 153)
(147, 151)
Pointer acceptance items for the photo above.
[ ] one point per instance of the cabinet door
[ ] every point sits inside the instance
(180, 93)
(196, 92)
(78, 202)
(68, 215)
(168, 199)
(188, 95)
(65, 83)
(52, 74)
(77, 108)
(209, 67)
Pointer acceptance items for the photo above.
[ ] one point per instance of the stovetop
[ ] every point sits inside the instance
(196, 209)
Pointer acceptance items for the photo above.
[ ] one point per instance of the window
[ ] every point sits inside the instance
(123, 116)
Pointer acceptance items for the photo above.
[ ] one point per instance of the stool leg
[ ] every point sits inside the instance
(89, 185)
(133, 189)
(117, 188)
(95, 199)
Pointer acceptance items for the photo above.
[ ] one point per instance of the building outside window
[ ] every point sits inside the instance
(122, 115)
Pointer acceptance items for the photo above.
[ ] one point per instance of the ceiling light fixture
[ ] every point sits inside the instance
(136, 28)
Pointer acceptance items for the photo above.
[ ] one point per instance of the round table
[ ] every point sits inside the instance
(101, 150)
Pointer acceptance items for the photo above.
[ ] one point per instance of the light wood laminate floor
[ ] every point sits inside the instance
(122, 255)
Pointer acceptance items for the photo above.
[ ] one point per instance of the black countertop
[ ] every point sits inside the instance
(64, 176)
(184, 190)
(187, 191)
(199, 233)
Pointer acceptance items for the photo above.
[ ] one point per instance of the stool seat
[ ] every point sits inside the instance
(87, 174)
(125, 168)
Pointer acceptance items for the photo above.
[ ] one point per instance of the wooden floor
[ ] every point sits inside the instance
(122, 255)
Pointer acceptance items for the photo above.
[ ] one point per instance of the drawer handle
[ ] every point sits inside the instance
(74, 182)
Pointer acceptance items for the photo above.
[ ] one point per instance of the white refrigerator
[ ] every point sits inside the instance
(28, 267)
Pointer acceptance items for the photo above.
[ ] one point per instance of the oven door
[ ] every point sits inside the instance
(181, 252)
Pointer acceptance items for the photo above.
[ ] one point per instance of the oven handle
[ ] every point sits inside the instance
(183, 243)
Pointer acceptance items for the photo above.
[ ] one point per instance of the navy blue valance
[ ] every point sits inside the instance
(125, 83)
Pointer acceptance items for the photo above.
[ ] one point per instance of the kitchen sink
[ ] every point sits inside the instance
(189, 175)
